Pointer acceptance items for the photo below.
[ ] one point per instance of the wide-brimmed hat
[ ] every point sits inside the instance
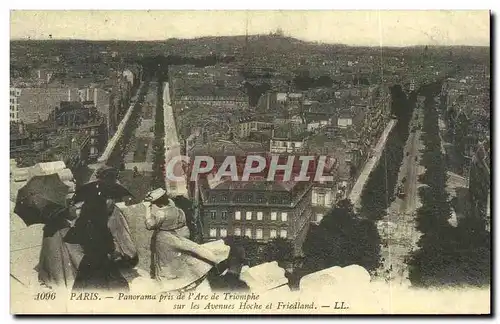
(104, 183)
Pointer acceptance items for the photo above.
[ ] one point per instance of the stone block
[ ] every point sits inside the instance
(334, 277)
(218, 248)
(264, 277)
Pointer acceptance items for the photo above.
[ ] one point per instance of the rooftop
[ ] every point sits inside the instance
(254, 184)
(224, 148)
(290, 131)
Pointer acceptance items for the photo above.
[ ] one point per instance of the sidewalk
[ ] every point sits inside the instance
(357, 189)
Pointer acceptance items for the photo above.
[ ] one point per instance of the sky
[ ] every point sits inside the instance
(364, 28)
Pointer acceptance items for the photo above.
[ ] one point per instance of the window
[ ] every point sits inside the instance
(259, 215)
(272, 233)
(223, 232)
(319, 217)
(283, 233)
(284, 217)
(258, 233)
(260, 200)
(248, 232)
(237, 215)
(249, 215)
(213, 232)
(237, 231)
(274, 215)
(223, 215)
(223, 198)
(213, 215)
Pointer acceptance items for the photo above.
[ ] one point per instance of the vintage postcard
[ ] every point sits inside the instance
(250, 162)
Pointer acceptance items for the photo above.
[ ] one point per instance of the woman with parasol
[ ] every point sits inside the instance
(45, 200)
(103, 233)
(177, 263)
(59, 260)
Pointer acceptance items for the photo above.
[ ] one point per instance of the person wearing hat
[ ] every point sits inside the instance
(177, 263)
(103, 233)
(104, 185)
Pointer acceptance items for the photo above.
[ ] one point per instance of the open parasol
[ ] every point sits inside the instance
(41, 199)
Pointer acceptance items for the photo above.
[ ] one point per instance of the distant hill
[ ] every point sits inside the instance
(257, 45)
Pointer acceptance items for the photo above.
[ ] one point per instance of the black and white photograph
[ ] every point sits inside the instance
(268, 162)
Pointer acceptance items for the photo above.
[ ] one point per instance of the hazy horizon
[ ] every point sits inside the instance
(223, 36)
(369, 28)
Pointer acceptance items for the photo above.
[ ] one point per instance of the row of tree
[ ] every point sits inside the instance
(457, 133)
(117, 156)
(158, 65)
(158, 179)
(378, 192)
(448, 256)
(341, 239)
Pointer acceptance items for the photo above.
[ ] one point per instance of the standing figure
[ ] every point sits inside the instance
(103, 233)
(59, 260)
(97, 269)
(177, 263)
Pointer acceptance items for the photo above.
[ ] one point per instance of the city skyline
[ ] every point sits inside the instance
(357, 28)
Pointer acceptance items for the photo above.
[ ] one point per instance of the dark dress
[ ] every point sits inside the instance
(98, 269)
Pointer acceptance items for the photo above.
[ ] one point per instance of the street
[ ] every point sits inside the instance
(172, 147)
(398, 229)
(370, 165)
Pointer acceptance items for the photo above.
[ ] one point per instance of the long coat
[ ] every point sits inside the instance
(107, 246)
(176, 261)
(59, 260)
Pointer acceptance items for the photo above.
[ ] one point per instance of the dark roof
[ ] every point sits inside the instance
(312, 117)
(71, 105)
(256, 184)
(227, 147)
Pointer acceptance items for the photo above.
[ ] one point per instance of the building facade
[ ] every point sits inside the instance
(31, 105)
(15, 93)
(257, 209)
